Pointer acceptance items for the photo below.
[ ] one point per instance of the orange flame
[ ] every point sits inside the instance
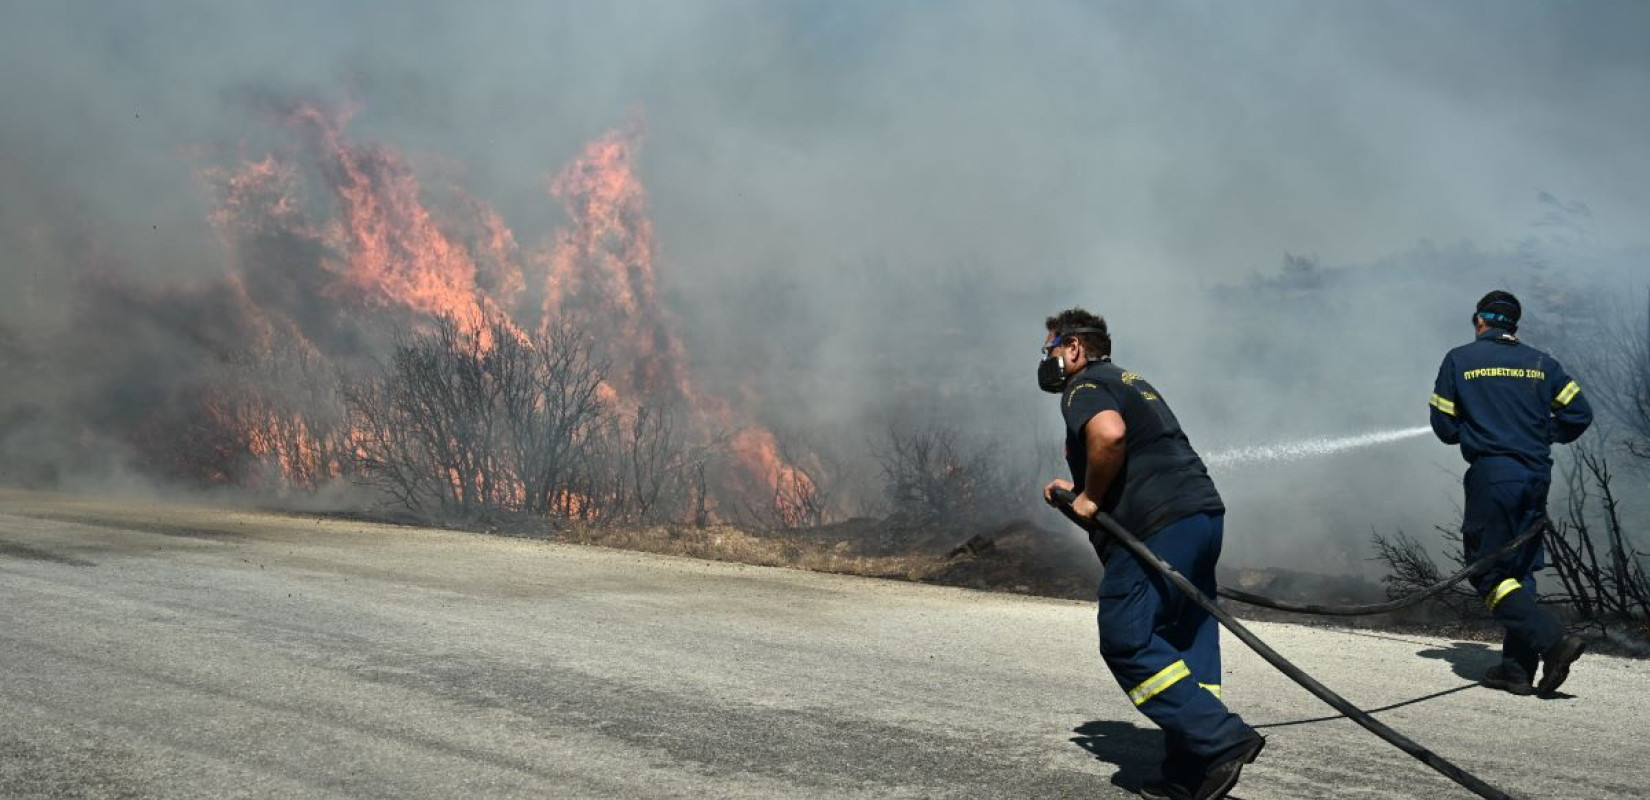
(394, 253)
(604, 266)
(383, 247)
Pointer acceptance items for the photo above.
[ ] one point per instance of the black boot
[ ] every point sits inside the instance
(1555, 663)
(1164, 790)
(1182, 772)
(1508, 677)
(1224, 774)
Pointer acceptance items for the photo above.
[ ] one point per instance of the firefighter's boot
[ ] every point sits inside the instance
(1508, 677)
(1224, 774)
(1556, 661)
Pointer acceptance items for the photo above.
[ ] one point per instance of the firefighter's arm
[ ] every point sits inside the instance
(1445, 423)
(1103, 435)
(1571, 411)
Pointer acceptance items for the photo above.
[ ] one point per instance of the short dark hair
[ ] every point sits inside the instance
(1096, 344)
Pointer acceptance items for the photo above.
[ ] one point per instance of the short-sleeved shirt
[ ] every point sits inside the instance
(1162, 480)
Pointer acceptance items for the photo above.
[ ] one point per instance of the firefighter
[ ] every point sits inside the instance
(1506, 403)
(1129, 458)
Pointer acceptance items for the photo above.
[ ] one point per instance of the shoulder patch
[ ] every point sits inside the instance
(1131, 378)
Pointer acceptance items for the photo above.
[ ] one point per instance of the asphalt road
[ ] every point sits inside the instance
(152, 651)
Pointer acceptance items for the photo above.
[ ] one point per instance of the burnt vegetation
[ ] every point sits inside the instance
(493, 425)
(1600, 569)
(468, 423)
(370, 331)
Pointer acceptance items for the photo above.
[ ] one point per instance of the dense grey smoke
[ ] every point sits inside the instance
(865, 210)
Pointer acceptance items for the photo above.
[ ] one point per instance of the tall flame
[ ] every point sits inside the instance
(381, 248)
(394, 252)
(604, 267)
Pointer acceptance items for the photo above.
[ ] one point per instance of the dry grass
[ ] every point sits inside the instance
(1017, 557)
(726, 543)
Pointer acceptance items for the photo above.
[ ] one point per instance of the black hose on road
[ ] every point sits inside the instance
(1106, 524)
(1391, 605)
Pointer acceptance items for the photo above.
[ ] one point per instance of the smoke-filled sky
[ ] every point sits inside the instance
(1198, 139)
(864, 195)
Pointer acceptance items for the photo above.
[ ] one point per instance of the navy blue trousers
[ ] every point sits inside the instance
(1165, 651)
(1504, 498)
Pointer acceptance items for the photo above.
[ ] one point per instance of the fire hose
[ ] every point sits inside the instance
(1466, 572)
(1105, 524)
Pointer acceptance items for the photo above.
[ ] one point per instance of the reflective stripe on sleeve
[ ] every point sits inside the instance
(1501, 590)
(1155, 685)
(1446, 406)
(1214, 689)
(1568, 393)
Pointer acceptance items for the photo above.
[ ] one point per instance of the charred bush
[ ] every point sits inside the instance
(637, 467)
(941, 487)
(464, 424)
(1598, 565)
(1410, 569)
(1600, 573)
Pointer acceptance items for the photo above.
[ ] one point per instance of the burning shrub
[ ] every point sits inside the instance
(467, 425)
(640, 467)
(473, 423)
(490, 401)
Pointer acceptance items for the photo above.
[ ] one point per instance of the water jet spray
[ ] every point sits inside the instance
(1309, 448)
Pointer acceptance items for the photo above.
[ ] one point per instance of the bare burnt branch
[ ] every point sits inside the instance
(474, 423)
(1602, 577)
(1411, 569)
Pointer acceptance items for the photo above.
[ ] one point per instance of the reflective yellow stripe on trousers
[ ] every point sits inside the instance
(1501, 590)
(1155, 685)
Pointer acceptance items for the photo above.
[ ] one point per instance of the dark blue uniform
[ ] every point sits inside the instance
(1162, 648)
(1506, 403)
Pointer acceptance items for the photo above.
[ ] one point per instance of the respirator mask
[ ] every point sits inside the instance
(1051, 371)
